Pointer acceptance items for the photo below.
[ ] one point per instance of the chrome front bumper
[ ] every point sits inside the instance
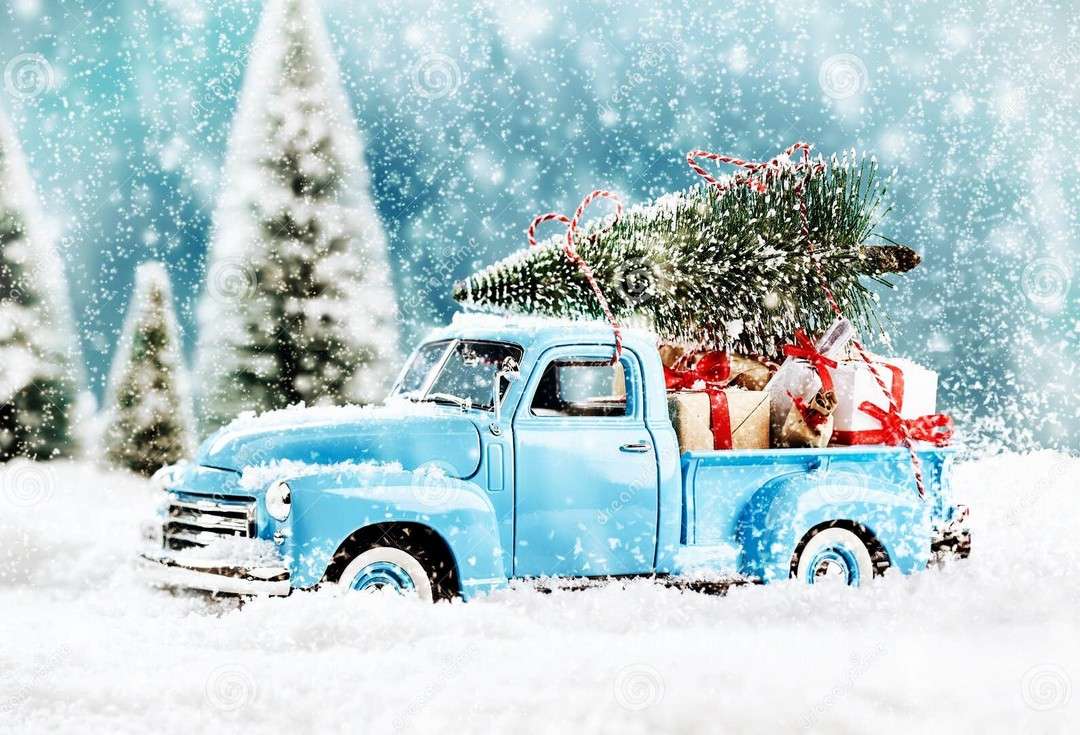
(222, 577)
(163, 567)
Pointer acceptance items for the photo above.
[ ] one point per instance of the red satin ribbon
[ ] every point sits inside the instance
(813, 419)
(936, 428)
(713, 369)
(806, 350)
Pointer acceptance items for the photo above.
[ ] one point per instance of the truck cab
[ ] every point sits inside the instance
(519, 449)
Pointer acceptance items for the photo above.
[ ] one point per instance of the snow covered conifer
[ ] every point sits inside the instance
(38, 352)
(150, 422)
(299, 305)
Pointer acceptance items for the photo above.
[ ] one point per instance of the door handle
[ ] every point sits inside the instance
(636, 447)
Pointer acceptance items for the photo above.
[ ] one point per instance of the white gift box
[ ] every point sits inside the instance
(854, 384)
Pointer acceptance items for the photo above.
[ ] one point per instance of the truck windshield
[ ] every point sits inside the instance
(458, 372)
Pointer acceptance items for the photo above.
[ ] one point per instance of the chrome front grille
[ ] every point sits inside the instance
(197, 522)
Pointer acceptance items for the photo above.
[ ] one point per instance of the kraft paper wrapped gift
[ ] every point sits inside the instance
(914, 387)
(691, 413)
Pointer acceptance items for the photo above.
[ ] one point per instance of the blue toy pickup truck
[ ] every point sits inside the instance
(517, 450)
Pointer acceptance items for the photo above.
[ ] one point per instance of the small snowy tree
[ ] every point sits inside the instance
(38, 353)
(150, 420)
(299, 305)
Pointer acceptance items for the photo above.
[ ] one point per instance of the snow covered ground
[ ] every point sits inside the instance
(990, 645)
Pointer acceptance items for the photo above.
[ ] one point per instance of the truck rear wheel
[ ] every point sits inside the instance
(384, 567)
(835, 556)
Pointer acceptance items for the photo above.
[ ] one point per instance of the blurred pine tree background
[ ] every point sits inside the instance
(476, 116)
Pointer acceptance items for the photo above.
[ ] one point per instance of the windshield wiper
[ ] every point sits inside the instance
(462, 403)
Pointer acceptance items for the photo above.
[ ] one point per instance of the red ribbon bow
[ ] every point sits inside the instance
(936, 428)
(805, 349)
(713, 369)
(572, 254)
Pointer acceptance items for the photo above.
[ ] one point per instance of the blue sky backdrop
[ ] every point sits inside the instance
(479, 115)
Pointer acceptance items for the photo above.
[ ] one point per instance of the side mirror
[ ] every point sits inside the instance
(510, 373)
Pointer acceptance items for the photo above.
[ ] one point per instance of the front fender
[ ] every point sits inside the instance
(782, 511)
(328, 508)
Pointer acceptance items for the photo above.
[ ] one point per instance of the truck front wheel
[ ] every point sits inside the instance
(384, 567)
(835, 556)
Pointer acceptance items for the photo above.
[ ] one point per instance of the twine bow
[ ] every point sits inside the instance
(572, 255)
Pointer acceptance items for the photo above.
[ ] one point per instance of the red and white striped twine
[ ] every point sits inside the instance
(758, 176)
(570, 249)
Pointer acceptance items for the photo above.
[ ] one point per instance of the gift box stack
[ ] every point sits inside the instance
(716, 400)
(824, 394)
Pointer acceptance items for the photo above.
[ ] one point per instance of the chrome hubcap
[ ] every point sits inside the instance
(383, 575)
(833, 565)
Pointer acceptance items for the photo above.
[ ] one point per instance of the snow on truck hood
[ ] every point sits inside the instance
(413, 435)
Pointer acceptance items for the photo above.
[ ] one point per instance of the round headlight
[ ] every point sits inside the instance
(169, 476)
(279, 500)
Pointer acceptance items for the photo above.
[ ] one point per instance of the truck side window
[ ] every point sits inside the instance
(582, 388)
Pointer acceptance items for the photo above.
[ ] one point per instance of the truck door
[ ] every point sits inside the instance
(586, 468)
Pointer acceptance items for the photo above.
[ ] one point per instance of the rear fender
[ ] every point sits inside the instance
(328, 508)
(783, 510)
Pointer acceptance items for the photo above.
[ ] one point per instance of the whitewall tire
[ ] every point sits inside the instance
(836, 556)
(384, 567)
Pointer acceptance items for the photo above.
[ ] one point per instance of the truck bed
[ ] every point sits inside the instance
(728, 492)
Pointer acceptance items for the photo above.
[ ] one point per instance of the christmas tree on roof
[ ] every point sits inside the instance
(723, 270)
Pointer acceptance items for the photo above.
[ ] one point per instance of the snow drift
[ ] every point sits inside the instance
(988, 644)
